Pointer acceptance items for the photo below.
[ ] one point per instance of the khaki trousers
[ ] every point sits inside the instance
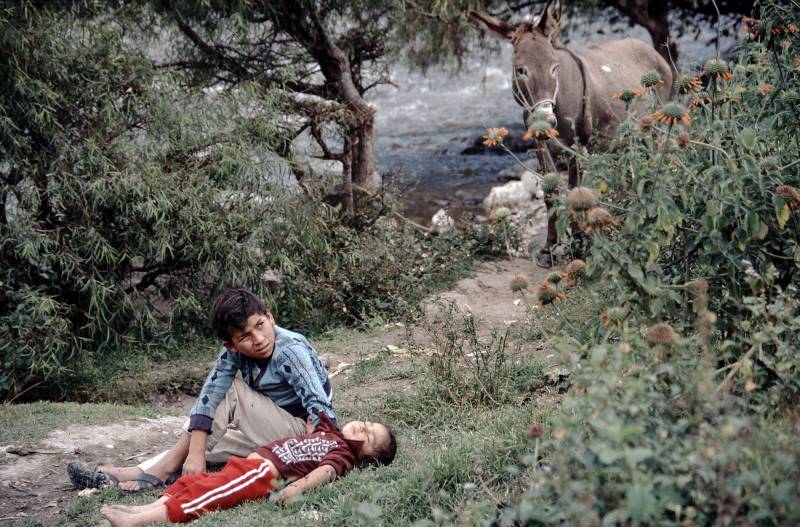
(246, 420)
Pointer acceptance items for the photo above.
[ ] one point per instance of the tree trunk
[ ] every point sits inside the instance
(305, 26)
(653, 15)
(347, 174)
(364, 173)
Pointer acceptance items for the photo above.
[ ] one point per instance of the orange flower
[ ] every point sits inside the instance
(765, 89)
(672, 113)
(732, 96)
(701, 99)
(494, 136)
(688, 83)
(539, 128)
(628, 95)
(718, 68)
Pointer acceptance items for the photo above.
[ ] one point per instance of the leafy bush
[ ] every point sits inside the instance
(681, 410)
(121, 209)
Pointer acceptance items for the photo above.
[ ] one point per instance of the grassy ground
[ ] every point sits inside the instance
(460, 449)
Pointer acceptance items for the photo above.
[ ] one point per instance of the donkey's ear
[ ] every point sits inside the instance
(548, 22)
(497, 28)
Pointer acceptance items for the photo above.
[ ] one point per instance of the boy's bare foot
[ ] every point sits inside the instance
(133, 509)
(119, 518)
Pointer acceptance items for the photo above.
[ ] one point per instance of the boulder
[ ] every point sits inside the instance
(442, 222)
(514, 194)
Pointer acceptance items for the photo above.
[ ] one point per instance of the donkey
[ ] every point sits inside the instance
(572, 89)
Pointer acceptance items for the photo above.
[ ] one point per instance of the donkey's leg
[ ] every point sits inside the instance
(572, 168)
(544, 258)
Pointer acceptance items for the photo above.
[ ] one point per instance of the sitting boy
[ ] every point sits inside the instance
(309, 460)
(283, 383)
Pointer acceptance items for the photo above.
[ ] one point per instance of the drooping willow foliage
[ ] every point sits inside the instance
(124, 202)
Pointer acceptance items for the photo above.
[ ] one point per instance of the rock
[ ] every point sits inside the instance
(442, 222)
(515, 171)
(514, 194)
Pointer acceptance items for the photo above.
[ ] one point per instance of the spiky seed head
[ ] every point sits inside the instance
(717, 68)
(661, 334)
(539, 127)
(599, 217)
(699, 287)
(700, 99)
(650, 78)
(714, 66)
(789, 194)
(673, 113)
(546, 293)
(502, 213)
(550, 183)
(646, 123)
(576, 268)
(682, 139)
(535, 431)
(628, 95)
(581, 199)
(519, 282)
(554, 277)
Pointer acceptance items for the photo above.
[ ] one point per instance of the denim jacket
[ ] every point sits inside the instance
(293, 377)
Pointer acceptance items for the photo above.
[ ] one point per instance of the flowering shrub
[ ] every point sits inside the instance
(684, 386)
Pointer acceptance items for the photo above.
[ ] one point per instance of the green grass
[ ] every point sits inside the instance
(455, 461)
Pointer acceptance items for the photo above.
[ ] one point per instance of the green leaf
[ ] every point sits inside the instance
(607, 456)
(753, 224)
(640, 503)
(748, 138)
(636, 455)
(599, 354)
(652, 250)
(636, 273)
(783, 216)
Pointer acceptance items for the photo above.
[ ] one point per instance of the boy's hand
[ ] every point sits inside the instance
(286, 494)
(309, 425)
(194, 464)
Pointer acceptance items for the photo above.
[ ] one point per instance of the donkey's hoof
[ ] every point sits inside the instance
(544, 259)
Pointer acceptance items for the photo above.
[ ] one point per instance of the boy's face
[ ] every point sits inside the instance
(256, 339)
(374, 436)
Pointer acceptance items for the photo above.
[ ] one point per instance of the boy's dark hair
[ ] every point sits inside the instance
(232, 309)
(385, 455)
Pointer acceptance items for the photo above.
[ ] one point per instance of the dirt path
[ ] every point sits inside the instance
(36, 484)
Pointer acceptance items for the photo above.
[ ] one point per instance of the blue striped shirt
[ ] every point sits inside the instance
(293, 377)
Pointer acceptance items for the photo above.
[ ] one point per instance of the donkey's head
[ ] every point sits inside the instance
(535, 77)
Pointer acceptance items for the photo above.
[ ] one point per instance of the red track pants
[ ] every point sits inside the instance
(242, 479)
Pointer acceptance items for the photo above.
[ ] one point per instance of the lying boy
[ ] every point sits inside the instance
(309, 460)
(283, 383)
